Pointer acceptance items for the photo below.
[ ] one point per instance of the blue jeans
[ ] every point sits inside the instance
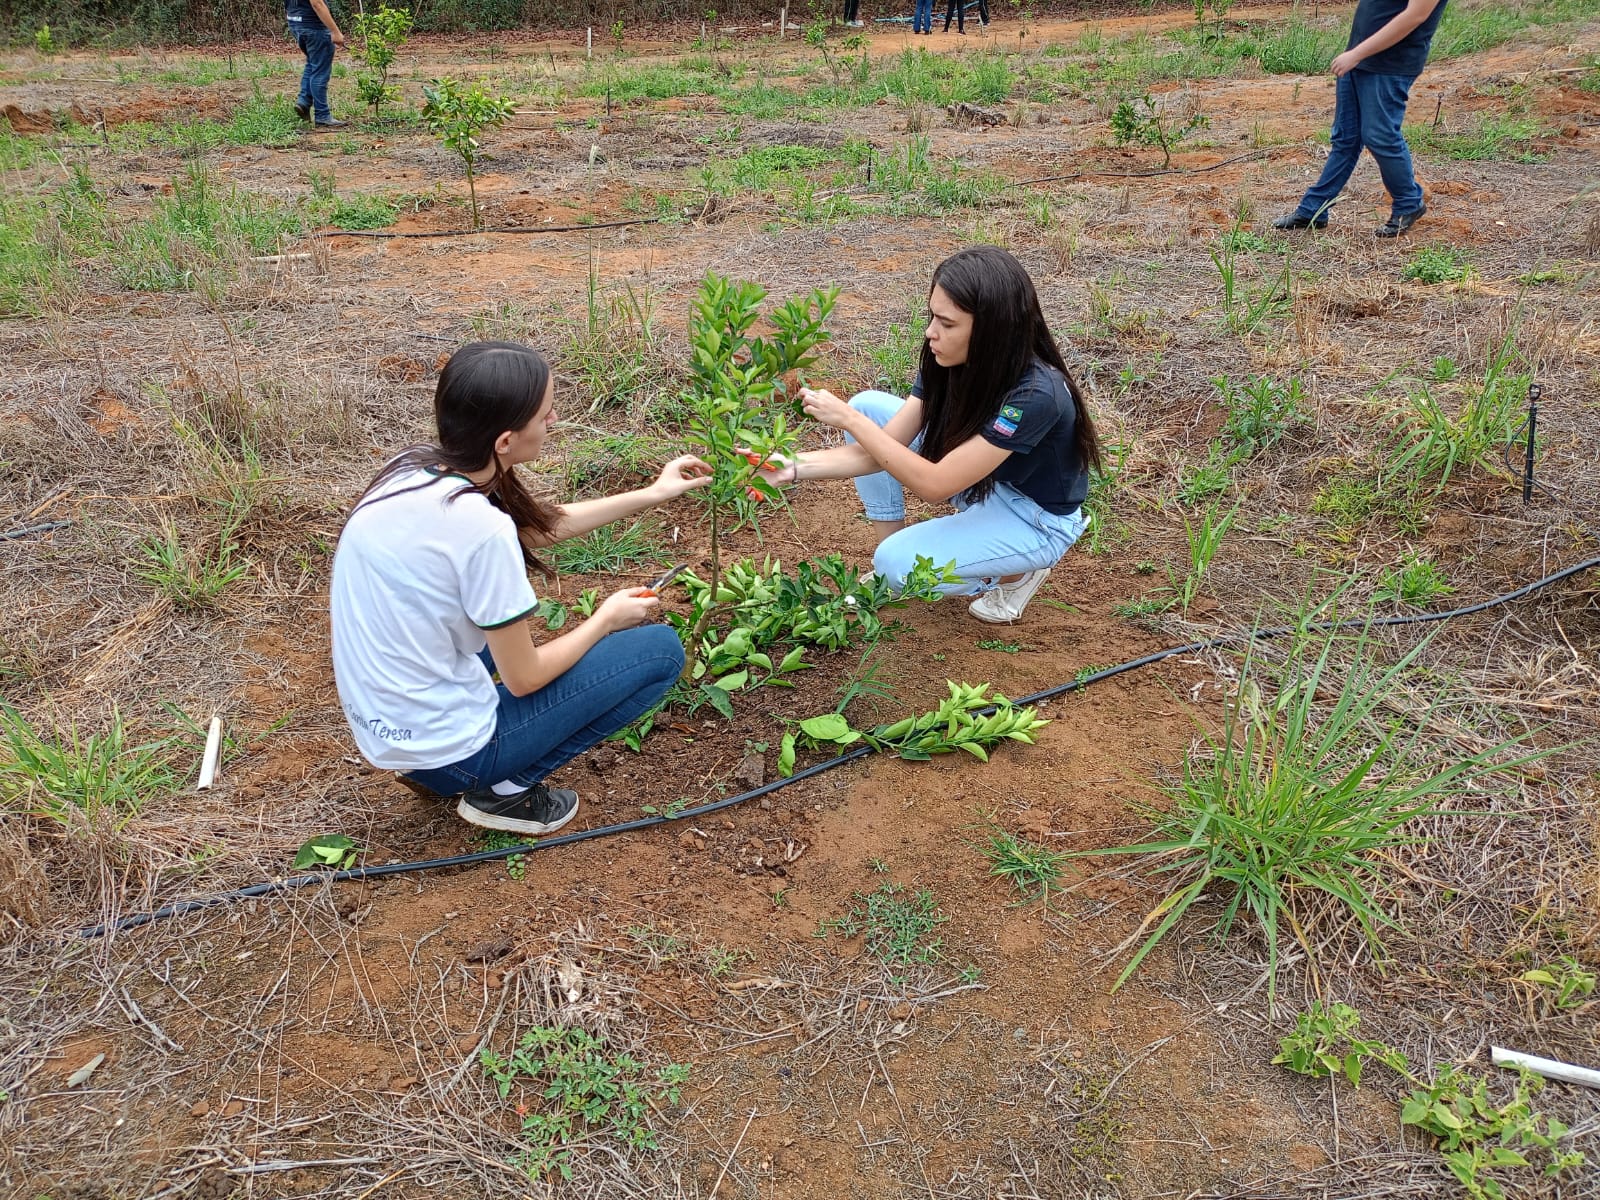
(1004, 534)
(1367, 111)
(317, 46)
(922, 17)
(621, 678)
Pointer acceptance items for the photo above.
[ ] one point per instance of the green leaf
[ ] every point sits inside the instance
(326, 850)
(786, 756)
(717, 698)
(830, 727)
(1352, 1069)
(732, 682)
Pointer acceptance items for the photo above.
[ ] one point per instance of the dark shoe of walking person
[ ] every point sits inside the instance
(535, 809)
(333, 123)
(303, 111)
(1398, 223)
(1296, 221)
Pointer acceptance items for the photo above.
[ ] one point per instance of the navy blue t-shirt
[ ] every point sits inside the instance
(300, 12)
(1407, 56)
(1038, 422)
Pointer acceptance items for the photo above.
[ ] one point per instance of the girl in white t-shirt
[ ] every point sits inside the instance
(431, 595)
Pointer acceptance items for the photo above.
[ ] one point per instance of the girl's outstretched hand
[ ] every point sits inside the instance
(826, 407)
(774, 468)
(627, 608)
(682, 474)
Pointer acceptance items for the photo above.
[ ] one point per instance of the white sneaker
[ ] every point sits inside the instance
(1005, 604)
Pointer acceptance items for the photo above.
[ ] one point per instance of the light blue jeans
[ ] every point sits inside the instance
(1005, 534)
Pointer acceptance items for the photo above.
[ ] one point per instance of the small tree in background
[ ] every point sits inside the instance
(1142, 120)
(456, 115)
(382, 32)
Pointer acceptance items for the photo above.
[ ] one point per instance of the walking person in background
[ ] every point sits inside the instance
(430, 600)
(1388, 47)
(851, 11)
(316, 33)
(994, 425)
(922, 17)
(957, 8)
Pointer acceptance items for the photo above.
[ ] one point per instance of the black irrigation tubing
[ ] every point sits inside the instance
(29, 530)
(1145, 174)
(460, 860)
(435, 233)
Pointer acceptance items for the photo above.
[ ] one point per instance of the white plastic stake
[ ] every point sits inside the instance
(590, 46)
(1548, 1067)
(208, 761)
(783, 22)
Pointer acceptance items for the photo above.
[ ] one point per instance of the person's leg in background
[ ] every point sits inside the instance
(317, 46)
(1344, 151)
(1383, 110)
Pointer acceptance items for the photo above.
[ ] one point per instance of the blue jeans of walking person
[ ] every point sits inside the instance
(1004, 534)
(922, 17)
(1368, 109)
(609, 688)
(317, 46)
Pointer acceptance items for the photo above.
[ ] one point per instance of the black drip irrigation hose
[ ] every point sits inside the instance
(527, 231)
(461, 860)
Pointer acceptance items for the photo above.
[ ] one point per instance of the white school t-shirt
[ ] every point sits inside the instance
(416, 581)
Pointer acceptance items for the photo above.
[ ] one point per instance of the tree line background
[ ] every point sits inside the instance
(156, 22)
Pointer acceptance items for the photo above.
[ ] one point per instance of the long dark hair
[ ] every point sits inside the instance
(484, 390)
(1008, 333)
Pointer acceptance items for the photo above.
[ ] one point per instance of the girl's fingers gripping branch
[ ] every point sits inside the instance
(825, 407)
(684, 474)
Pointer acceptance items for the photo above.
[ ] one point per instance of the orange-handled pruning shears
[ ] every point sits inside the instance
(661, 581)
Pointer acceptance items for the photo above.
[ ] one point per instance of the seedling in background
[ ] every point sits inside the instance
(1415, 583)
(382, 32)
(898, 925)
(1141, 119)
(497, 839)
(1002, 646)
(456, 115)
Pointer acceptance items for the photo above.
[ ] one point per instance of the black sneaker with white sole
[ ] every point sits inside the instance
(535, 809)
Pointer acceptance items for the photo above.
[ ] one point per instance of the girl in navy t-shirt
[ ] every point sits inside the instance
(994, 424)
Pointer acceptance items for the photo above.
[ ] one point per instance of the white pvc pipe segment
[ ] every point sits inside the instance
(208, 761)
(1548, 1067)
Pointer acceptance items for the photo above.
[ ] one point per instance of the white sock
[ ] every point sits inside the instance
(508, 787)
